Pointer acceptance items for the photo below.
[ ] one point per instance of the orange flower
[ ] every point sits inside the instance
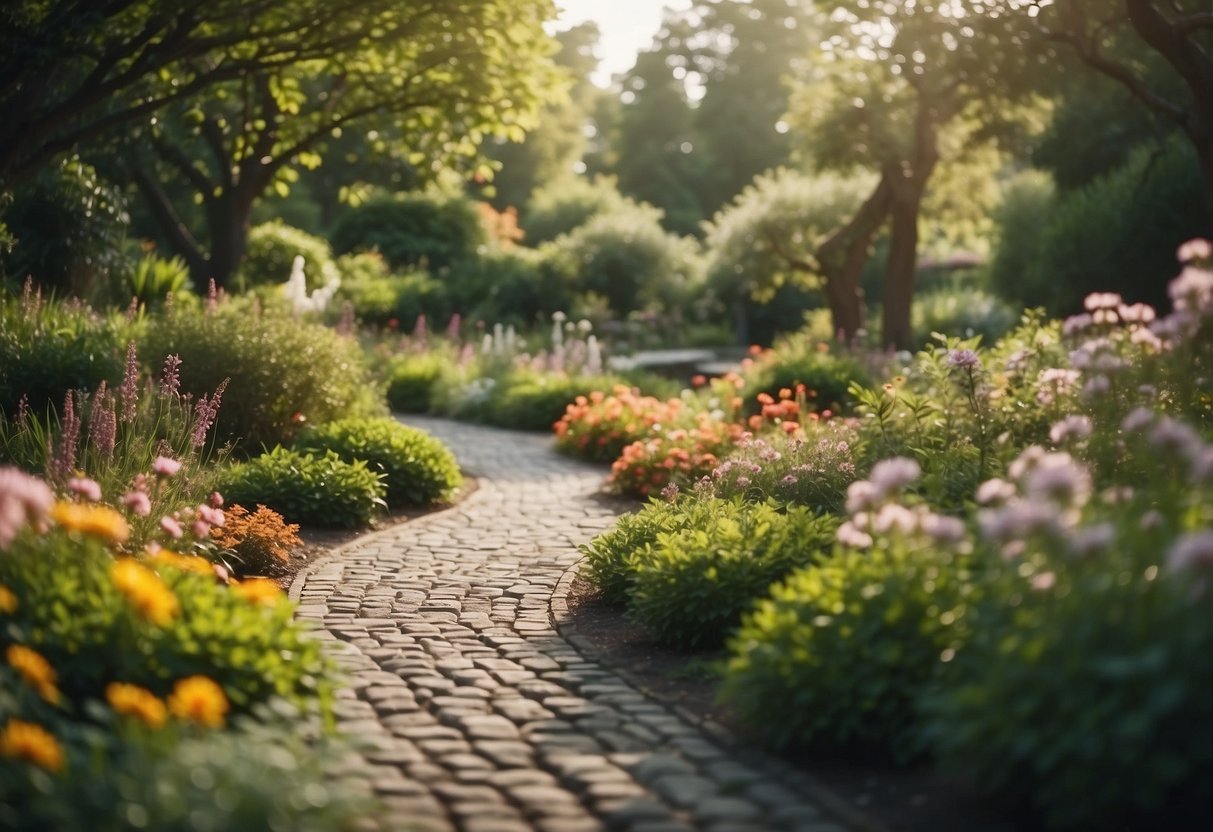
(35, 670)
(8, 601)
(199, 699)
(150, 596)
(183, 563)
(259, 591)
(27, 741)
(132, 700)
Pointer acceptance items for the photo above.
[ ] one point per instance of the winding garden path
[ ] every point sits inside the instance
(478, 714)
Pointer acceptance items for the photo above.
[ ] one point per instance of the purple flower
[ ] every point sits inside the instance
(170, 376)
(966, 359)
(129, 391)
(103, 423)
(1078, 427)
(62, 462)
(892, 475)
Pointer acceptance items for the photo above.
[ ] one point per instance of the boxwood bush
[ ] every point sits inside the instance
(690, 587)
(416, 468)
(411, 379)
(315, 490)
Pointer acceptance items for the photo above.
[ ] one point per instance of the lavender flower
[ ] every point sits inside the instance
(64, 461)
(103, 423)
(170, 376)
(891, 475)
(965, 359)
(1077, 427)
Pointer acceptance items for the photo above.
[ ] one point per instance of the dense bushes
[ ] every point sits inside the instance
(271, 252)
(283, 372)
(827, 374)
(416, 469)
(412, 229)
(321, 491)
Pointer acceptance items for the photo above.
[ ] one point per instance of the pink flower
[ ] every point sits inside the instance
(201, 528)
(213, 516)
(84, 487)
(965, 359)
(1197, 249)
(1102, 300)
(172, 527)
(130, 385)
(891, 475)
(23, 499)
(1043, 581)
(849, 535)
(165, 467)
(1078, 427)
(216, 499)
(137, 502)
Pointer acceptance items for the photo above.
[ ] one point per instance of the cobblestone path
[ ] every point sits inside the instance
(479, 717)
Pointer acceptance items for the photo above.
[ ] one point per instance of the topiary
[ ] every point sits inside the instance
(691, 586)
(416, 468)
(322, 491)
(271, 251)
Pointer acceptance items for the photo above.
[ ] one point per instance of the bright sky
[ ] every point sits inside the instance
(627, 26)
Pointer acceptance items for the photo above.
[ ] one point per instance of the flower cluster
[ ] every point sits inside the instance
(876, 508)
(646, 466)
(599, 426)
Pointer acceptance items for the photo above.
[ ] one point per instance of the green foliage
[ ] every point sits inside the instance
(413, 229)
(1118, 234)
(152, 279)
(691, 586)
(71, 612)
(48, 348)
(535, 401)
(963, 313)
(68, 224)
(568, 203)
(398, 300)
(270, 772)
(626, 258)
(411, 379)
(271, 251)
(842, 649)
(321, 491)
(416, 468)
(283, 372)
(509, 287)
(826, 373)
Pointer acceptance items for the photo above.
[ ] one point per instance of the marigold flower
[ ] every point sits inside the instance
(92, 520)
(132, 700)
(8, 600)
(35, 670)
(199, 699)
(28, 741)
(259, 591)
(149, 595)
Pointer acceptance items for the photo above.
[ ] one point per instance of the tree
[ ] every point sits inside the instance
(441, 77)
(70, 71)
(1161, 52)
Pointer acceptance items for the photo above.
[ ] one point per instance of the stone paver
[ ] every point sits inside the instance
(477, 715)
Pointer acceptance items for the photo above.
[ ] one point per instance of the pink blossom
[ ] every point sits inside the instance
(849, 535)
(130, 385)
(201, 528)
(84, 487)
(1058, 477)
(138, 502)
(964, 359)
(1196, 249)
(1091, 539)
(995, 491)
(23, 499)
(1192, 290)
(172, 527)
(170, 376)
(1077, 427)
(1102, 300)
(216, 499)
(1076, 324)
(943, 529)
(790, 480)
(165, 466)
(893, 517)
(861, 495)
(1043, 581)
(892, 475)
(213, 516)
(1138, 313)
(1190, 551)
(1096, 386)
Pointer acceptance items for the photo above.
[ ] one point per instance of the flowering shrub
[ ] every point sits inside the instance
(416, 468)
(827, 374)
(598, 426)
(812, 470)
(677, 456)
(321, 491)
(842, 649)
(260, 541)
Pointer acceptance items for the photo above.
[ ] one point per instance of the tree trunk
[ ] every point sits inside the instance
(227, 217)
(1204, 152)
(901, 270)
(843, 255)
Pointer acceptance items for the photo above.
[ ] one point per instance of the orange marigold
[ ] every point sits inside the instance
(93, 520)
(149, 595)
(35, 670)
(199, 699)
(28, 741)
(8, 600)
(258, 591)
(132, 700)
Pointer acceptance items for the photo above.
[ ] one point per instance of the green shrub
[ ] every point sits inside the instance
(826, 373)
(48, 348)
(260, 775)
(69, 225)
(842, 649)
(412, 230)
(536, 401)
(691, 587)
(565, 204)
(393, 300)
(70, 610)
(313, 490)
(271, 251)
(284, 372)
(416, 468)
(508, 287)
(411, 379)
(152, 279)
(963, 313)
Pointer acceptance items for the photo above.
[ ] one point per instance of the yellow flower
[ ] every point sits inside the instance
(132, 700)
(8, 601)
(259, 591)
(149, 595)
(31, 742)
(183, 563)
(35, 670)
(92, 519)
(199, 699)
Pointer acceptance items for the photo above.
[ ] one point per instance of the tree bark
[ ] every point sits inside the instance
(842, 256)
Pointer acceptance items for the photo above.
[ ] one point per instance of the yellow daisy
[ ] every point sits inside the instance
(93, 520)
(199, 699)
(147, 593)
